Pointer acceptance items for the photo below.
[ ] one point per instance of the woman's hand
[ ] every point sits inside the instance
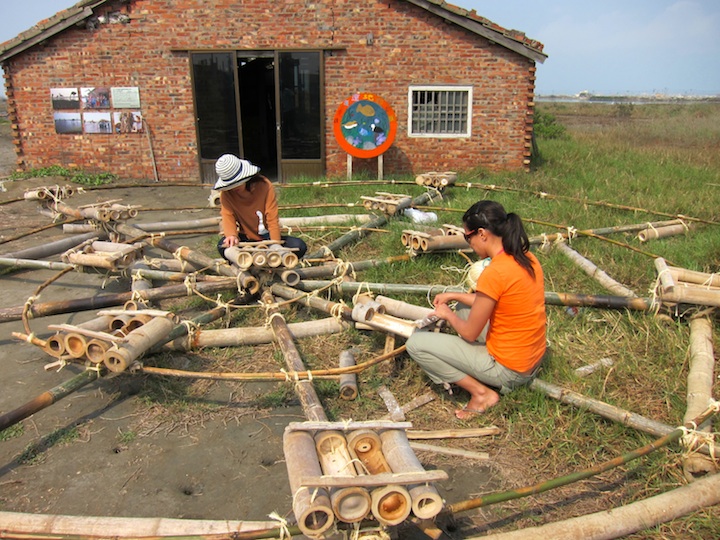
(443, 299)
(443, 311)
(231, 241)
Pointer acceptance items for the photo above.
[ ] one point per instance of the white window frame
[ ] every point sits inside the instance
(440, 88)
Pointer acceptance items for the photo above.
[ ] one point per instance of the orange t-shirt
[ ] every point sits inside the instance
(242, 210)
(516, 336)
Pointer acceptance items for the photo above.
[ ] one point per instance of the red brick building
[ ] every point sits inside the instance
(159, 89)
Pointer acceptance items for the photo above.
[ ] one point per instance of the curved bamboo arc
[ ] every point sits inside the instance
(426, 501)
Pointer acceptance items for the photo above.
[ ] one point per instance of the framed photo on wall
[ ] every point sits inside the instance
(67, 122)
(64, 98)
(128, 122)
(97, 122)
(95, 98)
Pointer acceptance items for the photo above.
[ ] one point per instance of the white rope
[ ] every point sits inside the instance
(284, 531)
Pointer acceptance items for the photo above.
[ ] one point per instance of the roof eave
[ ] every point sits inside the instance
(484, 31)
(47, 33)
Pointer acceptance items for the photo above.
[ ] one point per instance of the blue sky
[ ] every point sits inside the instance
(609, 47)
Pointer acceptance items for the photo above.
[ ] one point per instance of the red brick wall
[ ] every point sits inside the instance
(411, 46)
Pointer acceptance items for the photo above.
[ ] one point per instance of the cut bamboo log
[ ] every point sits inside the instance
(34, 265)
(426, 501)
(697, 278)
(55, 345)
(653, 233)
(594, 272)
(290, 277)
(701, 377)
(365, 445)
(348, 381)
(402, 309)
(325, 220)
(139, 341)
(312, 508)
(391, 504)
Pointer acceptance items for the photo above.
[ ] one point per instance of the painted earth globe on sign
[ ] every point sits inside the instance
(365, 125)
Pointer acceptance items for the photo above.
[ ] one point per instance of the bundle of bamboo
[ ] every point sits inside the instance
(682, 286)
(387, 203)
(438, 180)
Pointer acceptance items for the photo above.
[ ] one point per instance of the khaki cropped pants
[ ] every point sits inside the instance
(447, 358)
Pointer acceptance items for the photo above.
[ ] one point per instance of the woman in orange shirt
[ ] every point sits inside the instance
(501, 338)
(248, 206)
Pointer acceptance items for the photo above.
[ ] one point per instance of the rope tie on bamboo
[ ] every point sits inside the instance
(189, 282)
(693, 440)
(709, 281)
(284, 531)
(572, 233)
(313, 493)
(468, 186)
(60, 363)
(190, 328)
(328, 252)
(337, 309)
(225, 305)
(543, 195)
(177, 254)
(27, 308)
(433, 191)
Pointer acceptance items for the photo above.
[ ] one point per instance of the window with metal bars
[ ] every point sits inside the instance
(439, 111)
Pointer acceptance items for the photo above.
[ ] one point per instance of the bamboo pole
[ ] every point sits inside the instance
(601, 408)
(426, 501)
(45, 309)
(551, 298)
(53, 248)
(402, 309)
(47, 398)
(698, 278)
(415, 434)
(333, 308)
(675, 292)
(236, 337)
(701, 377)
(330, 219)
(457, 452)
(309, 399)
(33, 264)
(594, 272)
(60, 527)
(627, 519)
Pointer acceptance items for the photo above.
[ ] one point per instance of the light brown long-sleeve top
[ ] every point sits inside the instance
(239, 207)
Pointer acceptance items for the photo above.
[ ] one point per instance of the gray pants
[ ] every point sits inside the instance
(447, 358)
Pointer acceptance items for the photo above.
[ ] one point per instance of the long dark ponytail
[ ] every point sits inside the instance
(491, 215)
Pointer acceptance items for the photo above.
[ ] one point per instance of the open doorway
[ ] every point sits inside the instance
(264, 106)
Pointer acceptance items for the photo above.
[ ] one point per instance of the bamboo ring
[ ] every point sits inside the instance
(391, 504)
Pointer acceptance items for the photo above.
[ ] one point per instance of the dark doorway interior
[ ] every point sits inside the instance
(256, 79)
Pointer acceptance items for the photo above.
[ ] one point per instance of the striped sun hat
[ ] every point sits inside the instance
(233, 171)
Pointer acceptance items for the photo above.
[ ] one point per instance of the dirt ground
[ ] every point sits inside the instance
(104, 450)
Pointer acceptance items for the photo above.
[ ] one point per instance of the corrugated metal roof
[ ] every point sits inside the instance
(512, 39)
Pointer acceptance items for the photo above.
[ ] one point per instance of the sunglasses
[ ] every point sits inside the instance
(470, 234)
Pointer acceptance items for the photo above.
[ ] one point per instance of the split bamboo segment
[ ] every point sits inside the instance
(674, 290)
(652, 233)
(350, 504)
(438, 180)
(365, 445)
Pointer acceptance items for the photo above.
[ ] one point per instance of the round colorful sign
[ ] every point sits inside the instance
(365, 125)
